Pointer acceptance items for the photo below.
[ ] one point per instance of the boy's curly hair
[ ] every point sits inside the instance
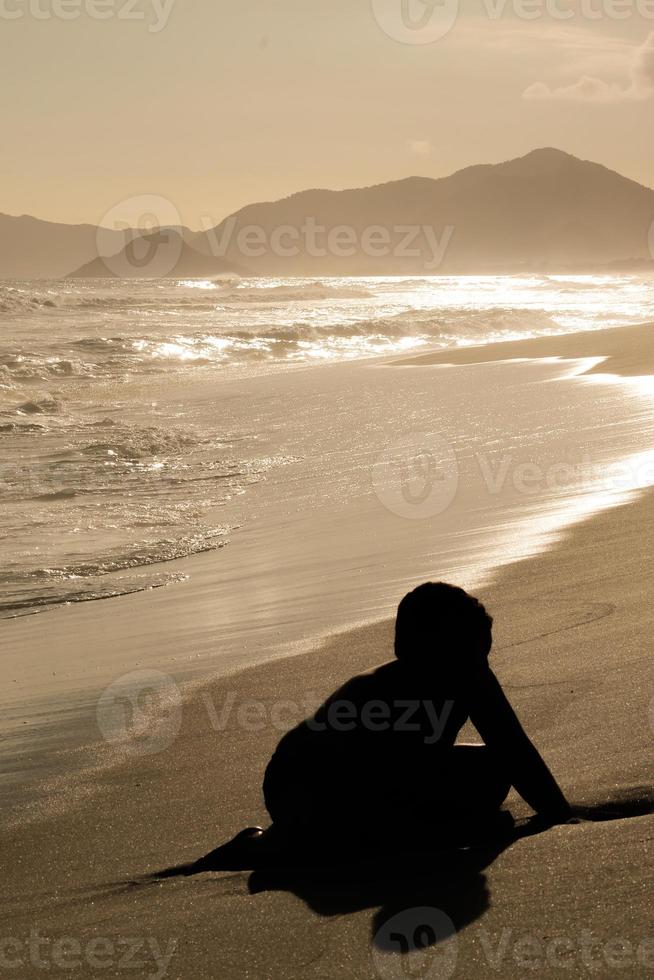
(441, 619)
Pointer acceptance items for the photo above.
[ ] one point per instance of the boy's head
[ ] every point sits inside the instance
(441, 627)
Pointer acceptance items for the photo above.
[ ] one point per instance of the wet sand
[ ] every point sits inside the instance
(573, 648)
(627, 351)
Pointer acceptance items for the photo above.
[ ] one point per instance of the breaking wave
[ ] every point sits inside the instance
(301, 293)
(15, 299)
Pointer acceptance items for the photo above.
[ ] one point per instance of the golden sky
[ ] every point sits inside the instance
(213, 104)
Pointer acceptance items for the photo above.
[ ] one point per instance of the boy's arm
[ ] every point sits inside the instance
(494, 718)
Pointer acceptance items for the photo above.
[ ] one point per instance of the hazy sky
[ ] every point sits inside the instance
(217, 103)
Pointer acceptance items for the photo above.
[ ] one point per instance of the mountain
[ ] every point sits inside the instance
(160, 255)
(546, 210)
(34, 249)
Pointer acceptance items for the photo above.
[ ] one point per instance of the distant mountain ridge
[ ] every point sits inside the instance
(35, 249)
(162, 254)
(545, 211)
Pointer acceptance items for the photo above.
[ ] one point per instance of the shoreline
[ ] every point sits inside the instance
(623, 351)
(70, 726)
(67, 701)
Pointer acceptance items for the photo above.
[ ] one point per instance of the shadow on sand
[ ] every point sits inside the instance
(451, 881)
(447, 877)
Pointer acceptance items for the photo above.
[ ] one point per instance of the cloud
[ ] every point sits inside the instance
(588, 88)
(421, 147)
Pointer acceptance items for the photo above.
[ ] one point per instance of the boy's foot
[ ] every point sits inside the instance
(237, 854)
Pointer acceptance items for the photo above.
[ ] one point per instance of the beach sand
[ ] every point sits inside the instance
(573, 630)
(628, 351)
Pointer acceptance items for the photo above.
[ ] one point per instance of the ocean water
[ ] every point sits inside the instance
(113, 466)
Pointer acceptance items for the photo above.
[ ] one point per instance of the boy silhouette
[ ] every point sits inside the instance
(378, 760)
